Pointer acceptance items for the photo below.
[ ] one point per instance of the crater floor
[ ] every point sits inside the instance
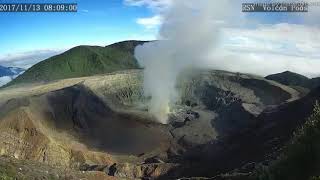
(102, 121)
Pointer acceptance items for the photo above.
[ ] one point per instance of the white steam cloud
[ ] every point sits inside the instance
(216, 35)
(189, 31)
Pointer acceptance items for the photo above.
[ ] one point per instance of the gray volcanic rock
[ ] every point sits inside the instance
(79, 109)
(291, 79)
(297, 81)
(104, 120)
(315, 82)
(228, 101)
(261, 142)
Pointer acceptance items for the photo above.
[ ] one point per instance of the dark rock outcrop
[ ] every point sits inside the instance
(260, 142)
(297, 81)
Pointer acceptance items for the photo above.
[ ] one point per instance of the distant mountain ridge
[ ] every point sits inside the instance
(10, 71)
(295, 80)
(7, 74)
(83, 61)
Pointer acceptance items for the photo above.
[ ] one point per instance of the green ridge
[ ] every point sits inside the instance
(82, 61)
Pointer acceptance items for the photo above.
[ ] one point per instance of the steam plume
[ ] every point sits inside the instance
(211, 34)
(189, 31)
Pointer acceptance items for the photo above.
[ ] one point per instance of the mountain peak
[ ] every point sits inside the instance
(83, 61)
(290, 79)
(10, 71)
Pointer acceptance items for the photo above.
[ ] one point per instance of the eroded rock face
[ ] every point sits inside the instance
(28, 133)
(19, 135)
(225, 102)
(102, 121)
(120, 91)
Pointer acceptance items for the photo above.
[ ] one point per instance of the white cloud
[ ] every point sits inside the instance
(159, 7)
(254, 47)
(150, 23)
(285, 39)
(156, 5)
(28, 58)
(4, 80)
(313, 15)
(269, 49)
(262, 64)
(85, 11)
(208, 34)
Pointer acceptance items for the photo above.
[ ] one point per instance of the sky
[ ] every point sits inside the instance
(98, 22)
(27, 38)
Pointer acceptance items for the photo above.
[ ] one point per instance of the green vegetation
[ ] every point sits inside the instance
(82, 61)
(301, 160)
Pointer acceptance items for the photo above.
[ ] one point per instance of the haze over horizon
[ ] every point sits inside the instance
(265, 37)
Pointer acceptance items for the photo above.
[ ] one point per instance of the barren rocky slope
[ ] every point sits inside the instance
(299, 82)
(100, 123)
